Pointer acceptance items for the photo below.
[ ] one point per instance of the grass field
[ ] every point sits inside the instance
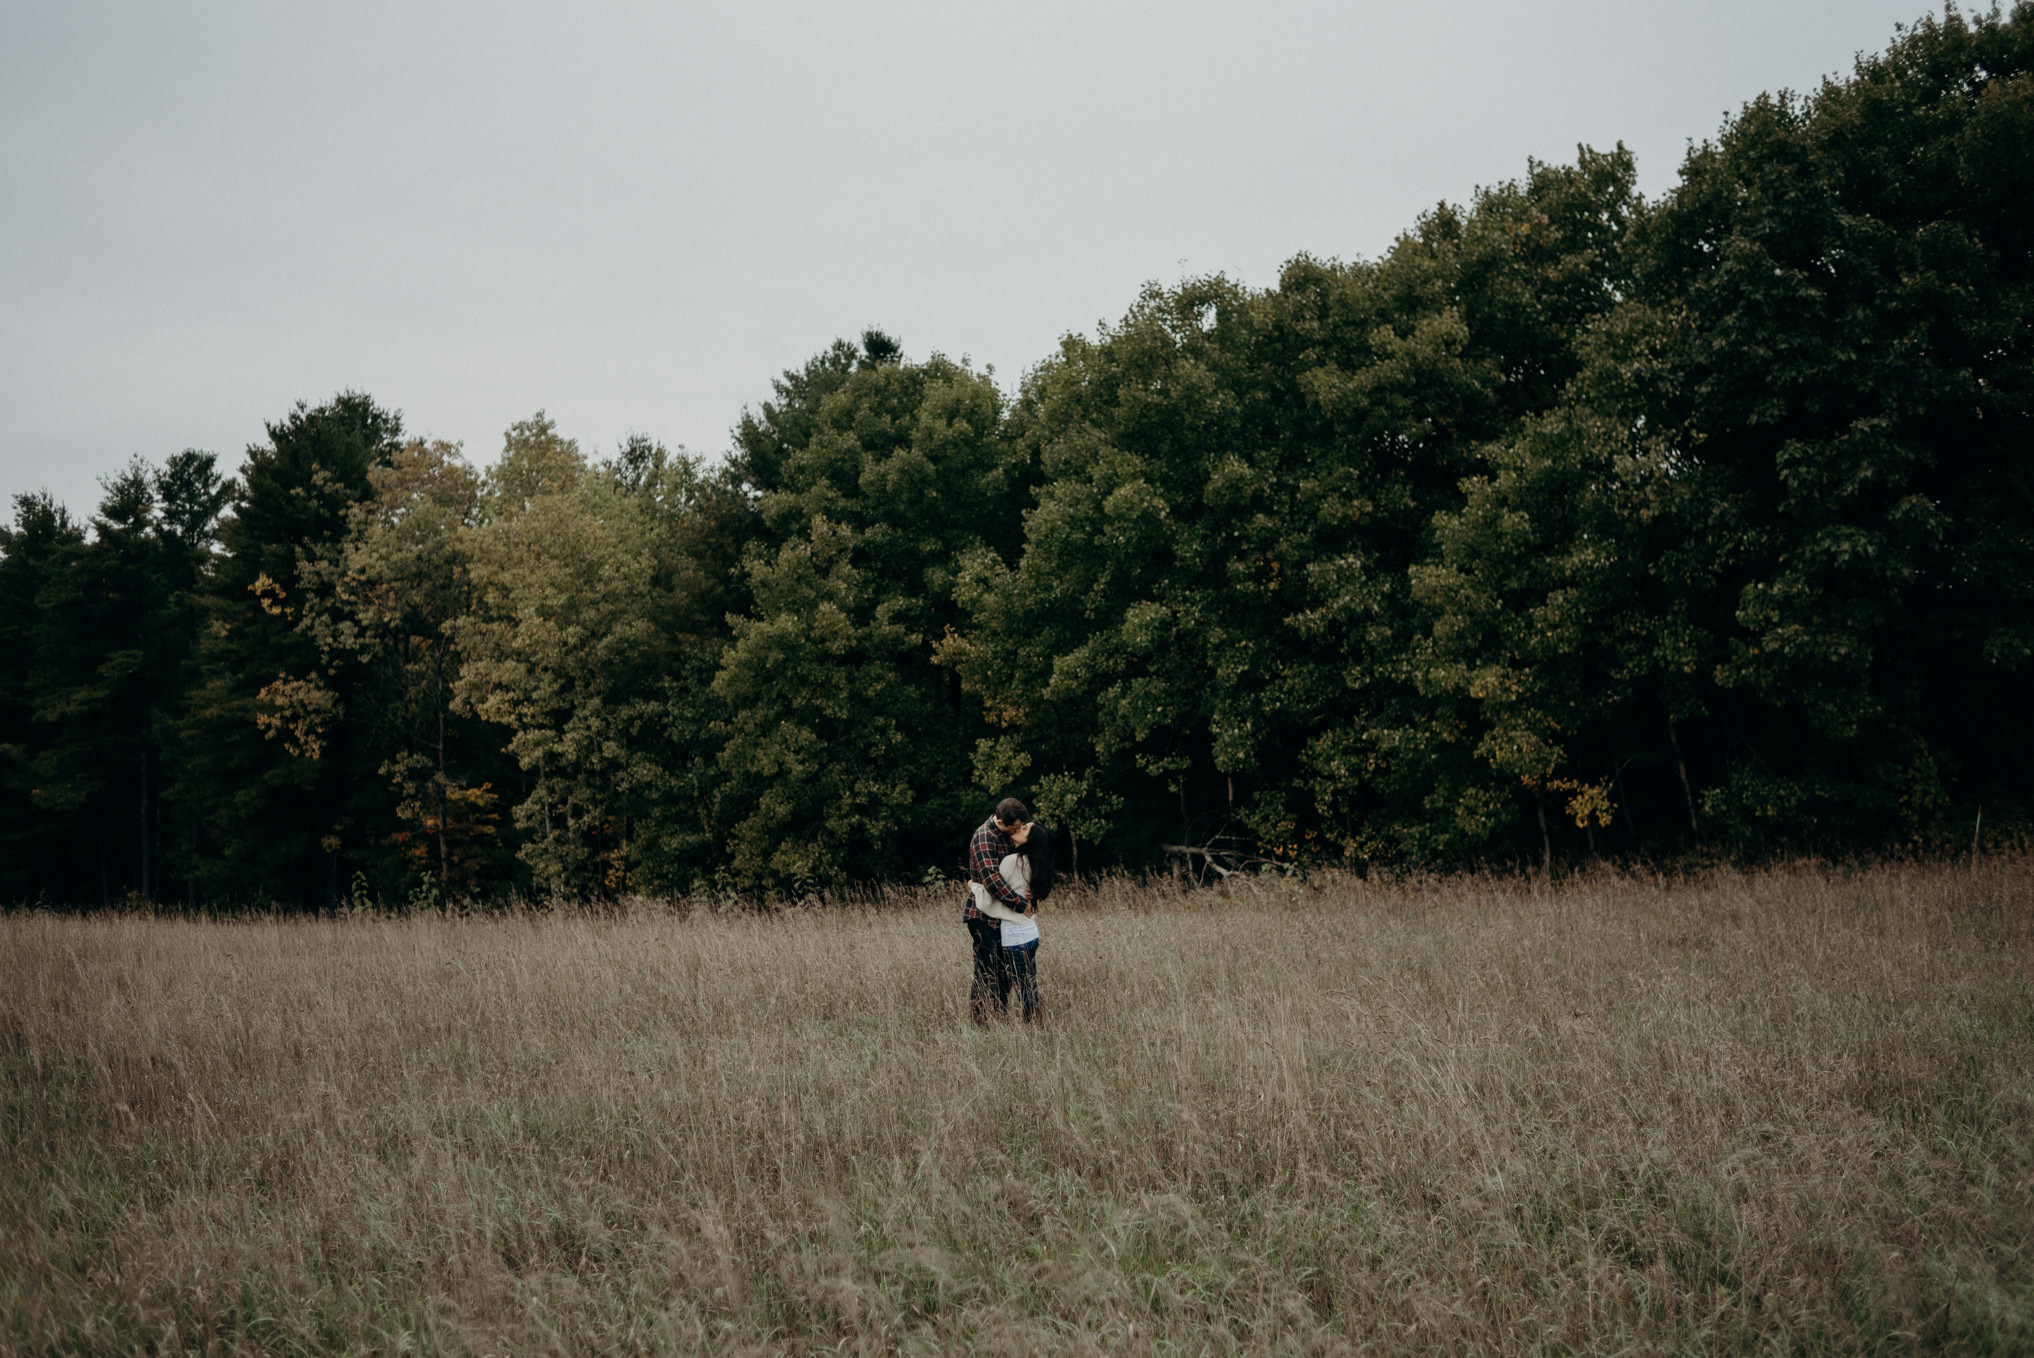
(1789, 1110)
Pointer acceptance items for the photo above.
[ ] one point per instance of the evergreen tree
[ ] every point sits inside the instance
(271, 766)
(104, 630)
(33, 552)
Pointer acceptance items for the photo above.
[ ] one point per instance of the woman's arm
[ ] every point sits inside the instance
(986, 902)
(995, 909)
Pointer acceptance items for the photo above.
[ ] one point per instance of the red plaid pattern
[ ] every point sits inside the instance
(986, 852)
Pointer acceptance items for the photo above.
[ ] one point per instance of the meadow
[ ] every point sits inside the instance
(1771, 1111)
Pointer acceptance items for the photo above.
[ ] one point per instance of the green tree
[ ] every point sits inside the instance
(1551, 642)
(33, 551)
(1212, 624)
(1847, 397)
(600, 595)
(385, 602)
(847, 748)
(278, 816)
(103, 630)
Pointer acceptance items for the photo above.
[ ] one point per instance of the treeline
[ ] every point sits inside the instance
(1576, 524)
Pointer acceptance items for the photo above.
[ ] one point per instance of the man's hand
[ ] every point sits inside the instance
(1030, 906)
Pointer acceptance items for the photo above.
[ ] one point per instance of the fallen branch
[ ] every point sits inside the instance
(1192, 850)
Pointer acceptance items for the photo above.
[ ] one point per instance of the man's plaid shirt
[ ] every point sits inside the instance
(986, 852)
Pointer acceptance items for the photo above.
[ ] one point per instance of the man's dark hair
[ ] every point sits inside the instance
(1011, 811)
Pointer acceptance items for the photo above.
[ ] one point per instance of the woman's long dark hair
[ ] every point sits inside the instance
(1037, 851)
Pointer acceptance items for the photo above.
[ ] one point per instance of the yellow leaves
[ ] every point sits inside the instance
(958, 652)
(1535, 231)
(1285, 842)
(479, 800)
(448, 824)
(1589, 801)
(299, 711)
(1496, 682)
(618, 875)
(270, 596)
(1592, 800)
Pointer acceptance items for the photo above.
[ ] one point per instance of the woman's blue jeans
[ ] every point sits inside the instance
(1021, 964)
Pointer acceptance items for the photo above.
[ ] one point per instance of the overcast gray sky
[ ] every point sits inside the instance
(634, 215)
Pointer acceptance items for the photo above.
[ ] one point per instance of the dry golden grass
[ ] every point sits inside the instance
(1775, 1111)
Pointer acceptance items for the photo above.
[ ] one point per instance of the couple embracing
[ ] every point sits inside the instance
(1009, 872)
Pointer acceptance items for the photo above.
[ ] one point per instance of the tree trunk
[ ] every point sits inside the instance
(147, 858)
(1546, 840)
(444, 855)
(1681, 766)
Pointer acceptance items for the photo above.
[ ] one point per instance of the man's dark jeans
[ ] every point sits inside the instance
(992, 977)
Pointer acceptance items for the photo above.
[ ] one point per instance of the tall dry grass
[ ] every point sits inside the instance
(1774, 1111)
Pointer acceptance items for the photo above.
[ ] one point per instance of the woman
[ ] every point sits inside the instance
(1029, 871)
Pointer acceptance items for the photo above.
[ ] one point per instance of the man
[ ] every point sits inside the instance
(994, 840)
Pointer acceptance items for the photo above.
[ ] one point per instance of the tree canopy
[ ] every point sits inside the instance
(1575, 524)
